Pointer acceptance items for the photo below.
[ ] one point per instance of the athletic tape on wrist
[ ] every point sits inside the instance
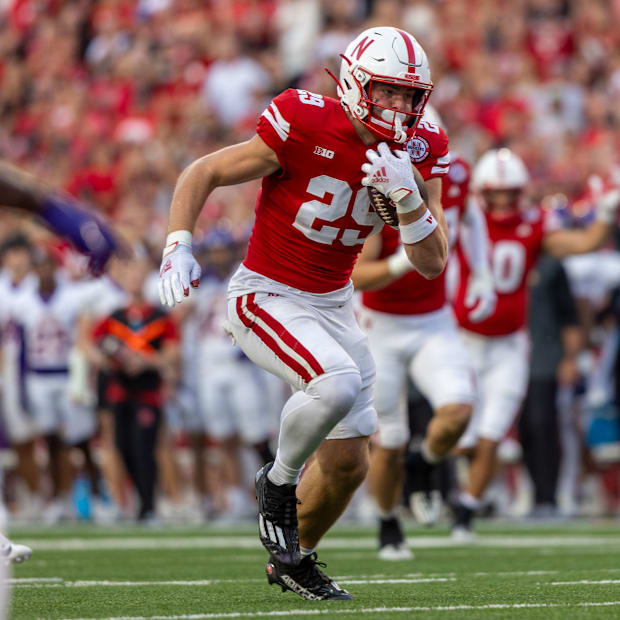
(418, 230)
(409, 203)
(176, 238)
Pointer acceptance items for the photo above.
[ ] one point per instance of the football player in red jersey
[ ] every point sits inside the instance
(413, 333)
(290, 305)
(499, 345)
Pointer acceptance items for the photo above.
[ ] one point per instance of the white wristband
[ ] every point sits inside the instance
(409, 203)
(175, 238)
(418, 230)
(399, 264)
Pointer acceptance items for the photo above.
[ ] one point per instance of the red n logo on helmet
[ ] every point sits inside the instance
(361, 47)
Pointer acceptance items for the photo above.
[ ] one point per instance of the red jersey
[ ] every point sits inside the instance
(412, 293)
(313, 215)
(515, 244)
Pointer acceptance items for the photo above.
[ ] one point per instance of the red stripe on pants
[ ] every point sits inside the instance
(271, 343)
(286, 336)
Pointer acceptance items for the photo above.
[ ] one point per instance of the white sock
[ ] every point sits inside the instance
(469, 501)
(304, 551)
(429, 456)
(283, 474)
(386, 514)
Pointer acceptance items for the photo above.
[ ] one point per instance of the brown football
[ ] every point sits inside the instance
(385, 208)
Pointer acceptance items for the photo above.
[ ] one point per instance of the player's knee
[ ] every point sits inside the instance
(337, 392)
(455, 419)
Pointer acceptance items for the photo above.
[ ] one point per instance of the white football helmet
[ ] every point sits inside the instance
(390, 56)
(499, 169)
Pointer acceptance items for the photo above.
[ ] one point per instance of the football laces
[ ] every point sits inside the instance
(384, 207)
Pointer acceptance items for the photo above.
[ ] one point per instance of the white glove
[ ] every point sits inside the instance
(392, 175)
(607, 207)
(480, 296)
(178, 270)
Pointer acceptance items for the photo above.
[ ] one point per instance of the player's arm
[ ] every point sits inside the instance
(562, 243)
(480, 296)
(235, 164)
(371, 272)
(423, 235)
(87, 231)
(429, 254)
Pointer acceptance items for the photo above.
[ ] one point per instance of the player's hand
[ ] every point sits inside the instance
(87, 231)
(392, 174)
(480, 297)
(179, 270)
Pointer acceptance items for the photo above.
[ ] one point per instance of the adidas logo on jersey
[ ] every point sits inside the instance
(319, 150)
(380, 176)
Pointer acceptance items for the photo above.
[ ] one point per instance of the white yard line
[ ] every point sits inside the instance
(35, 580)
(56, 582)
(364, 610)
(585, 582)
(252, 543)
(516, 573)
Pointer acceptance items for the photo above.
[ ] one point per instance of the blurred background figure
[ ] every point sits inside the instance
(234, 395)
(556, 341)
(139, 345)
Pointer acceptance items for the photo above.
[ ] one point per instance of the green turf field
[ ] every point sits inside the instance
(518, 572)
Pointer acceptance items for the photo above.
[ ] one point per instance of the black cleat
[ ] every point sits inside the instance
(306, 580)
(421, 486)
(422, 476)
(392, 544)
(462, 531)
(277, 518)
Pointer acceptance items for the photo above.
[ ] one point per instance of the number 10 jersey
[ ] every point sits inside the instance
(313, 215)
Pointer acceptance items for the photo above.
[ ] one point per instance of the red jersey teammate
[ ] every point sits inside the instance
(290, 305)
(413, 333)
(499, 344)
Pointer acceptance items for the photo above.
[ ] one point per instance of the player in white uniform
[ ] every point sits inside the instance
(413, 333)
(48, 315)
(290, 305)
(233, 392)
(16, 276)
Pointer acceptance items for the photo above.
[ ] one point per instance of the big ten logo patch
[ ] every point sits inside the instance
(319, 150)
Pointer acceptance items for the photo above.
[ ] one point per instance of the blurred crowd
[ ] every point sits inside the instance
(111, 99)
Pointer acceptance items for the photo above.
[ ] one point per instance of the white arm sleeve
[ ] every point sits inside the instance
(475, 237)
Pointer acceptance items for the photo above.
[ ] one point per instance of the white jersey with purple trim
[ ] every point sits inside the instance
(235, 395)
(49, 324)
(17, 423)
